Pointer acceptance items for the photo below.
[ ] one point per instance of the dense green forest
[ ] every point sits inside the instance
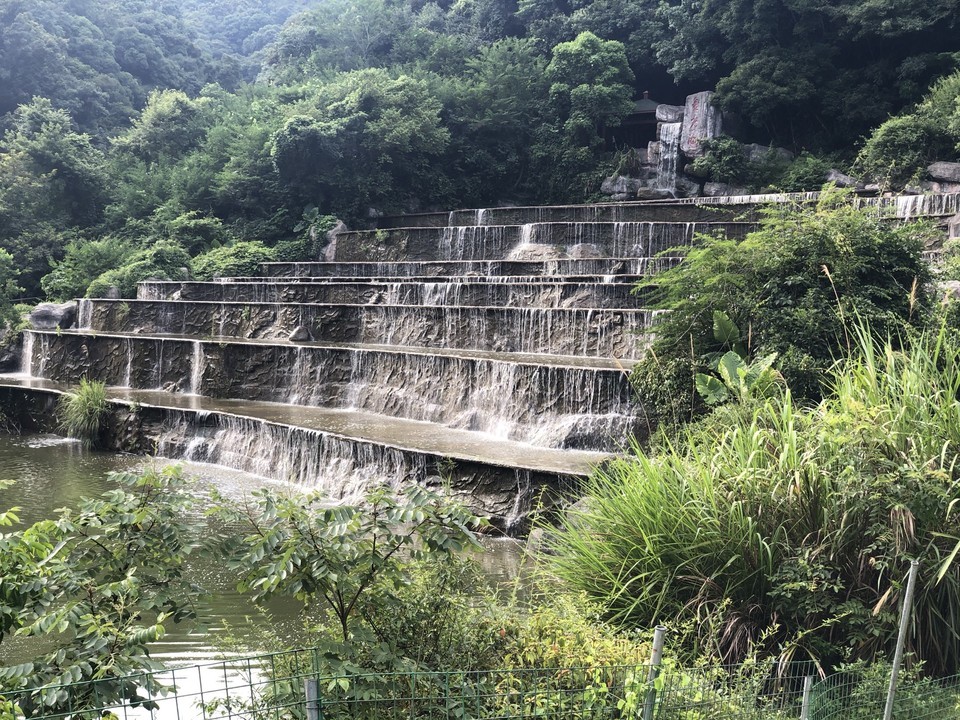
(137, 134)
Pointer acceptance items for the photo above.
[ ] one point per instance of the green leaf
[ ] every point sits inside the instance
(711, 389)
(725, 331)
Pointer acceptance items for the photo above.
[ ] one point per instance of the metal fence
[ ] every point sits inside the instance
(290, 686)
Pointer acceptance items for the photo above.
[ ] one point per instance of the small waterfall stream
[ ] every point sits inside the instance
(669, 138)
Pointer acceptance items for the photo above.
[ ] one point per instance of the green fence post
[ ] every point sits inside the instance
(311, 690)
(656, 657)
(901, 639)
(805, 702)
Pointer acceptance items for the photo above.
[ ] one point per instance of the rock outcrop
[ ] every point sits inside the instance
(50, 316)
(701, 121)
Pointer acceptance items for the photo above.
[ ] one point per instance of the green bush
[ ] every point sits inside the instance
(723, 161)
(787, 531)
(239, 259)
(789, 286)
(165, 260)
(82, 413)
(899, 150)
(83, 262)
(806, 172)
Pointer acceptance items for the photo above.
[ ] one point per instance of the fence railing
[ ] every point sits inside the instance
(291, 686)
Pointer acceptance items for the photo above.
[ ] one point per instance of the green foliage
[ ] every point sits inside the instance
(95, 587)
(786, 531)
(900, 149)
(51, 178)
(170, 123)
(334, 555)
(806, 172)
(165, 260)
(791, 286)
(9, 290)
(723, 161)
(801, 72)
(97, 61)
(239, 259)
(372, 135)
(83, 412)
(313, 228)
(590, 90)
(83, 261)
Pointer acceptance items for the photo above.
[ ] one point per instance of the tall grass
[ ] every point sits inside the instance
(788, 531)
(81, 414)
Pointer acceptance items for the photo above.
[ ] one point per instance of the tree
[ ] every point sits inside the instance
(51, 179)
(170, 125)
(809, 73)
(9, 290)
(590, 89)
(367, 138)
(87, 582)
(334, 555)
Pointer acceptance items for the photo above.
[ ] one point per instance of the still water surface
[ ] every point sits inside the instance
(52, 472)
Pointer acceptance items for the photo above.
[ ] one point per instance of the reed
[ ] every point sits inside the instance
(786, 530)
(82, 413)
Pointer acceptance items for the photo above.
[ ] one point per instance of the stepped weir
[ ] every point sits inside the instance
(484, 350)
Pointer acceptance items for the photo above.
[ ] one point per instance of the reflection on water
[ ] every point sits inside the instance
(51, 472)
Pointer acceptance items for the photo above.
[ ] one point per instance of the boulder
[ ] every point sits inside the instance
(953, 227)
(754, 152)
(715, 189)
(950, 289)
(669, 113)
(49, 316)
(653, 153)
(841, 179)
(620, 185)
(329, 252)
(948, 171)
(10, 360)
(301, 333)
(939, 187)
(654, 194)
(687, 188)
(701, 121)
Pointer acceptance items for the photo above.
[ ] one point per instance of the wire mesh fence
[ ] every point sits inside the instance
(290, 686)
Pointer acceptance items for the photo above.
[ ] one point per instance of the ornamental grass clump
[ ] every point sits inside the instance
(82, 413)
(779, 530)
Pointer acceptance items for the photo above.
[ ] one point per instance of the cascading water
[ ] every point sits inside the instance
(26, 358)
(198, 361)
(669, 138)
(514, 367)
(84, 314)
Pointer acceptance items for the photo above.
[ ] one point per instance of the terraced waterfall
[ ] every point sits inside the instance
(487, 349)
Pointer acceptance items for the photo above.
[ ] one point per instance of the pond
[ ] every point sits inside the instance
(52, 472)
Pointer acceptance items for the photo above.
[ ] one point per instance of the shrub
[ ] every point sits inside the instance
(242, 258)
(787, 531)
(788, 286)
(723, 161)
(807, 172)
(82, 413)
(165, 260)
(83, 262)
(900, 149)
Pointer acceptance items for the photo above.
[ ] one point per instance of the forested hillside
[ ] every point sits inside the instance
(139, 134)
